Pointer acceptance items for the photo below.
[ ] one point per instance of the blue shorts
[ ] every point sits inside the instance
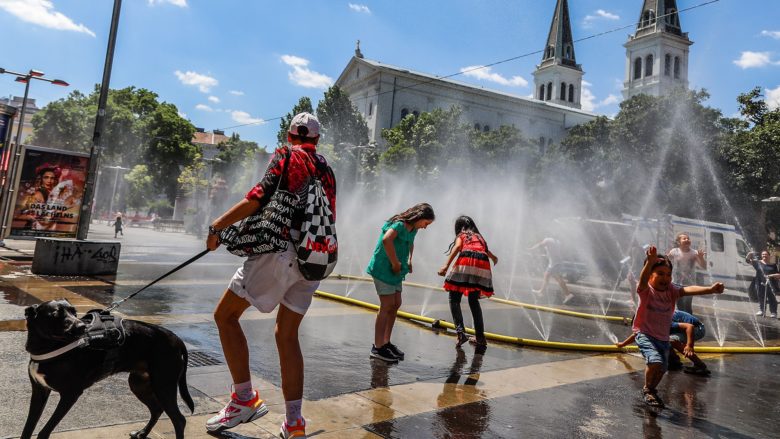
(698, 334)
(655, 351)
(386, 289)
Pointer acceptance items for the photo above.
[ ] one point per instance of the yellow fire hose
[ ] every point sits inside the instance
(437, 323)
(623, 320)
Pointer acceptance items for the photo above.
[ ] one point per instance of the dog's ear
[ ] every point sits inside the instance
(31, 311)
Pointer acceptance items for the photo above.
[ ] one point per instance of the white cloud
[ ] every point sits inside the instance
(771, 34)
(213, 99)
(203, 107)
(179, 3)
(42, 13)
(303, 76)
(750, 59)
(600, 14)
(773, 97)
(183, 115)
(236, 92)
(609, 100)
(203, 82)
(587, 98)
(245, 118)
(359, 8)
(484, 73)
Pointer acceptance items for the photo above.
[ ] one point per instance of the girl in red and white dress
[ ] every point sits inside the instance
(470, 277)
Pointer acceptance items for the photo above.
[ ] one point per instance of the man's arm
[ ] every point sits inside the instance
(239, 211)
(688, 350)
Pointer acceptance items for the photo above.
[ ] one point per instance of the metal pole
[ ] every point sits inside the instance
(10, 193)
(113, 194)
(94, 154)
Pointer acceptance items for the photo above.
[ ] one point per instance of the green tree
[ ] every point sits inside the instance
(139, 128)
(237, 162)
(303, 105)
(140, 188)
(340, 120)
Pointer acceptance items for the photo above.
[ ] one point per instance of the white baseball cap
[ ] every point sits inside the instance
(305, 125)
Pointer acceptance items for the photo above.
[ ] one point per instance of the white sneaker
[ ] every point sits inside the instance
(773, 315)
(297, 430)
(237, 412)
(760, 313)
(568, 298)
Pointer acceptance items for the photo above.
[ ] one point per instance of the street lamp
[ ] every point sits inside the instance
(12, 156)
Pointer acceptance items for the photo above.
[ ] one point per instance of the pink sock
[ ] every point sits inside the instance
(244, 390)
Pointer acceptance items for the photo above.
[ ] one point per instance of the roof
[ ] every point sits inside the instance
(209, 138)
(431, 78)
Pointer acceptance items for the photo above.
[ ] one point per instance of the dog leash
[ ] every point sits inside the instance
(186, 263)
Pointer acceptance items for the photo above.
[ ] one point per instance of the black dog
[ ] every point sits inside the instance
(155, 357)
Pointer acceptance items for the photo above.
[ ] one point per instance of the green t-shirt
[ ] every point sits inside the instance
(379, 266)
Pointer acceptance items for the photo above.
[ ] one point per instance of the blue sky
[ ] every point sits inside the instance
(231, 62)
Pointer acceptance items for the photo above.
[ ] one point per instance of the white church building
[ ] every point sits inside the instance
(656, 62)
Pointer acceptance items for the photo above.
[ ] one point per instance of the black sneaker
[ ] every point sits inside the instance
(397, 352)
(383, 354)
(674, 362)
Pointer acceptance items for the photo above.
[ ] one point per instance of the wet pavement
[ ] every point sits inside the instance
(437, 392)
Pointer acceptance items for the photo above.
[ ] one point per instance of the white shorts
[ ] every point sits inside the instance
(267, 280)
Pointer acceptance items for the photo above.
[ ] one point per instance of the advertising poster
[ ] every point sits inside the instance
(50, 190)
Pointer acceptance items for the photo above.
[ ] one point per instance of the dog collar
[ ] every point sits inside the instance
(60, 351)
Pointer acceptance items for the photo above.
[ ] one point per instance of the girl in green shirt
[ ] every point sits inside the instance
(391, 261)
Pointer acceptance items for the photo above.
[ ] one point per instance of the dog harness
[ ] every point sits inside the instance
(105, 332)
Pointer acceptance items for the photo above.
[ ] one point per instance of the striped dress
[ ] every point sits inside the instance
(471, 271)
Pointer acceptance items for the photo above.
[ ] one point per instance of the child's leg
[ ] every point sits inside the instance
(457, 315)
(654, 372)
(390, 322)
(545, 280)
(476, 313)
(386, 303)
(562, 284)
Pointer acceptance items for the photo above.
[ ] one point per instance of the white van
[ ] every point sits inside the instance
(726, 248)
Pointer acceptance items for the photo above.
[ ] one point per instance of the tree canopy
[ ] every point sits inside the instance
(303, 105)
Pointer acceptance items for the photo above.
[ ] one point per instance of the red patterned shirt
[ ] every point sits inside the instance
(304, 163)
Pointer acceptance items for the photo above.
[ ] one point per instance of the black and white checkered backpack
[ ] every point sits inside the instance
(318, 247)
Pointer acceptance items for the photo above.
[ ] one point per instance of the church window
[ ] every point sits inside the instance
(549, 91)
(668, 65)
(370, 108)
(563, 91)
(541, 92)
(357, 73)
(648, 18)
(571, 92)
(477, 127)
(550, 51)
(637, 68)
(486, 128)
(541, 144)
(404, 113)
(672, 18)
(649, 65)
(676, 67)
(549, 142)
(568, 52)
(415, 113)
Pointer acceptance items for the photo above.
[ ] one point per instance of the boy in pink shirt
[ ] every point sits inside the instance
(657, 298)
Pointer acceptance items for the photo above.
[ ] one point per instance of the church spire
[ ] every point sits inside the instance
(560, 44)
(558, 78)
(659, 16)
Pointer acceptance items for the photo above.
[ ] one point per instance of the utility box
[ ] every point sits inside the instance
(71, 257)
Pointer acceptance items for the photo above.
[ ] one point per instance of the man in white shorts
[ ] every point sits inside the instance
(269, 280)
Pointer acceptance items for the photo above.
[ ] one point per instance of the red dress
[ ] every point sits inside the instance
(471, 271)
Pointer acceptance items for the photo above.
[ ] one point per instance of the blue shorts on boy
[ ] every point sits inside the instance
(655, 351)
(679, 334)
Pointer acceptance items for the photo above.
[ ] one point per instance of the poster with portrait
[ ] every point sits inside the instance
(49, 193)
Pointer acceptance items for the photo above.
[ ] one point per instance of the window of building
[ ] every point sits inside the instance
(672, 18)
(571, 92)
(637, 68)
(541, 92)
(415, 113)
(404, 113)
(477, 127)
(667, 65)
(648, 18)
(568, 52)
(563, 91)
(549, 91)
(549, 142)
(370, 108)
(716, 242)
(649, 65)
(676, 67)
(550, 51)
(357, 73)
(486, 128)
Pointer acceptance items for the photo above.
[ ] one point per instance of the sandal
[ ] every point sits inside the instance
(701, 371)
(462, 339)
(652, 399)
